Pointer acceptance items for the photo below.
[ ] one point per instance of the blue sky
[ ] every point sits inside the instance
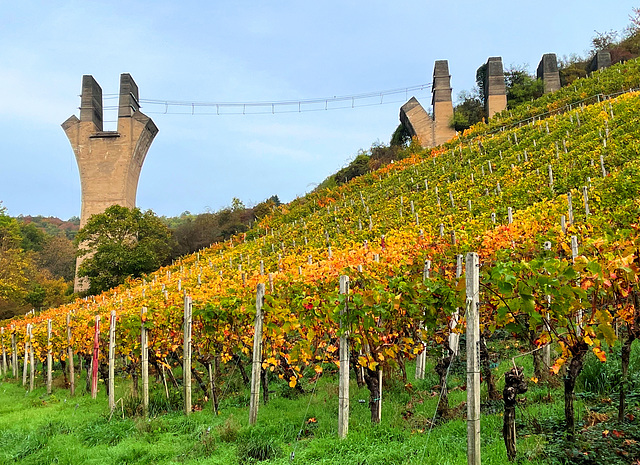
(246, 51)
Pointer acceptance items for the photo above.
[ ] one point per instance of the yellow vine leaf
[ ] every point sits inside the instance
(556, 366)
(601, 354)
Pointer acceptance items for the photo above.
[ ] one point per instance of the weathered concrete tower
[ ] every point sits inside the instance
(548, 72)
(431, 132)
(601, 59)
(417, 121)
(109, 161)
(495, 91)
(442, 103)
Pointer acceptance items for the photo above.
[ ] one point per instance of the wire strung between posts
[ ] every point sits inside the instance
(313, 392)
(228, 384)
(281, 106)
(433, 419)
(443, 387)
(558, 111)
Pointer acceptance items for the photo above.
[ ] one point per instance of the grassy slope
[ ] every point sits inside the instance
(37, 429)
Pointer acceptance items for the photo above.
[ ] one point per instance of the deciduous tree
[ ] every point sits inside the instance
(119, 243)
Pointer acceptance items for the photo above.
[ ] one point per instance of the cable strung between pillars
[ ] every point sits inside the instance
(282, 106)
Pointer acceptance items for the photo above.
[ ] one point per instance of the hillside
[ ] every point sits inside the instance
(54, 226)
(500, 190)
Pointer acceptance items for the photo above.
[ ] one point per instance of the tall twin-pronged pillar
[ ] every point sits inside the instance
(109, 161)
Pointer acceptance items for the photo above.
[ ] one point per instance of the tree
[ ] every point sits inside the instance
(264, 208)
(237, 205)
(120, 243)
(400, 137)
(9, 230)
(32, 237)
(275, 199)
(604, 41)
(469, 111)
(14, 272)
(481, 76)
(58, 255)
(358, 167)
(23, 285)
(572, 67)
(521, 87)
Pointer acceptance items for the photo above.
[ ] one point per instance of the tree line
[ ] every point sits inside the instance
(38, 255)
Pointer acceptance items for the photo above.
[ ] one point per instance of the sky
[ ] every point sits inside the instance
(248, 51)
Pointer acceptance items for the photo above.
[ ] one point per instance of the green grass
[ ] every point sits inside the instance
(36, 428)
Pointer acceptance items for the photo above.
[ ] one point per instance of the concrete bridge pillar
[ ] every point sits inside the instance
(548, 72)
(442, 103)
(417, 121)
(436, 130)
(602, 59)
(109, 162)
(495, 91)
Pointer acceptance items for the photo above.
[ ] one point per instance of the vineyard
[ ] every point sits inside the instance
(550, 206)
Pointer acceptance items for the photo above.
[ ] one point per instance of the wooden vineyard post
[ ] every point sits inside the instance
(144, 358)
(112, 359)
(94, 359)
(546, 350)
(379, 395)
(4, 354)
(186, 355)
(14, 353)
(256, 364)
(570, 208)
(454, 338)
(32, 365)
(26, 357)
(421, 359)
(585, 196)
(473, 359)
(574, 255)
(343, 387)
(72, 381)
(49, 358)
(212, 386)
